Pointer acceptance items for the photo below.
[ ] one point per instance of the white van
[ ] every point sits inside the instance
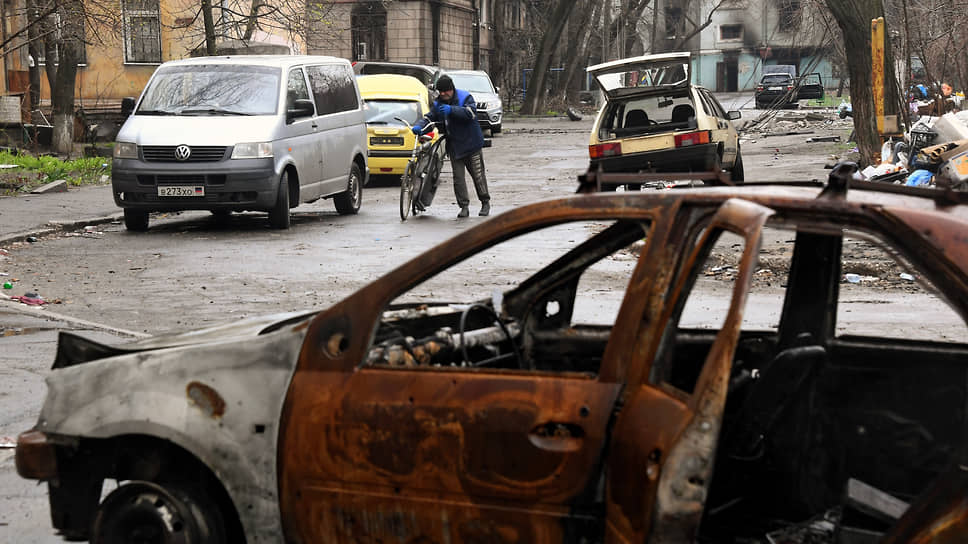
(242, 133)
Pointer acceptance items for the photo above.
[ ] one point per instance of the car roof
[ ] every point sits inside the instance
(259, 60)
(426, 74)
(391, 86)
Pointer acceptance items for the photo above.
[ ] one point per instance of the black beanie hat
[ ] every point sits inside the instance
(445, 84)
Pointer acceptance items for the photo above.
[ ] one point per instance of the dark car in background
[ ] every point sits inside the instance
(782, 89)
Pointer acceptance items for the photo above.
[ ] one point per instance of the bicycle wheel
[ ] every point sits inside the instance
(406, 192)
(419, 182)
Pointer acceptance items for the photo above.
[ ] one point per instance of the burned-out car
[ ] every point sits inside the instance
(689, 365)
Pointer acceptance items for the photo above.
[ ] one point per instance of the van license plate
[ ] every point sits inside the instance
(181, 190)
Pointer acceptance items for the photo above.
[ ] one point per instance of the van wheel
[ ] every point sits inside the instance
(736, 174)
(135, 220)
(279, 214)
(141, 511)
(348, 202)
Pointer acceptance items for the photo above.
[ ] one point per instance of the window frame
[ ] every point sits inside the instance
(127, 14)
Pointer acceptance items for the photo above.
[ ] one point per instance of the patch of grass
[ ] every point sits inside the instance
(830, 99)
(33, 171)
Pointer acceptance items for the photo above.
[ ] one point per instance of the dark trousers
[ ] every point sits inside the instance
(474, 163)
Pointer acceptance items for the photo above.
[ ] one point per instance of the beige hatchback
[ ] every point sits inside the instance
(655, 120)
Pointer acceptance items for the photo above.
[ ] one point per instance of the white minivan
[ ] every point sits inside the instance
(228, 134)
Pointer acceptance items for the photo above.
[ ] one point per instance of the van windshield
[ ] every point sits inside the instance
(212, 89)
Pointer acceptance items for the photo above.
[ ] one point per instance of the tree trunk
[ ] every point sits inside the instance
(62, 87)
(534, 99)
(253, 21)
(854, 19)
(34, 47)
(576, 63)
(209, 23)
(576, 39)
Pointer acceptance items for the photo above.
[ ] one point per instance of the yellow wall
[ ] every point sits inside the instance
(106, 78)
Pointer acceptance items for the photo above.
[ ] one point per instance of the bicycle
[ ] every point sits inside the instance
(419, 182)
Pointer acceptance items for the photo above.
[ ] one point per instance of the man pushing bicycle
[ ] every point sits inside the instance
(456, 111)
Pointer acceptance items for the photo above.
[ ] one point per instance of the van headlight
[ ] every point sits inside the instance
(255, 150)
(125, 150)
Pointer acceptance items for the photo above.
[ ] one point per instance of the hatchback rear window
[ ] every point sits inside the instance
(777, 79)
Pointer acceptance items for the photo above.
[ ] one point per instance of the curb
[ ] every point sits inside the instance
(53, 227)
(40, 311)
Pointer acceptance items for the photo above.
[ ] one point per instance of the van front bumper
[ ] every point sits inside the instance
(238, 184)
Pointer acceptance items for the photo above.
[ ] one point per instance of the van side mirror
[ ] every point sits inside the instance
(127, 106)
(301, 107)
(733, 114)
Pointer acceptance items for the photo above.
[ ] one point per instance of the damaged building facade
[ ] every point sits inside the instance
(742, 36)
(456, 34)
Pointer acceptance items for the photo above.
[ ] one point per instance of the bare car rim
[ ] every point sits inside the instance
(146, 513)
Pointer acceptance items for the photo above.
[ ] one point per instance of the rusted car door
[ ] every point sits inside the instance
(663, 444)
(443, 456)
(439, 454)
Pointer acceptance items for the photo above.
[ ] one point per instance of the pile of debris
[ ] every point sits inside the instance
(933, 153)
(786, 123)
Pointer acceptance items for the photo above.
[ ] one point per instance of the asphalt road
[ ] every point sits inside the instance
(191, 269)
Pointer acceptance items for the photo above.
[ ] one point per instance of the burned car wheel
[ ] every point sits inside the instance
(148, 513)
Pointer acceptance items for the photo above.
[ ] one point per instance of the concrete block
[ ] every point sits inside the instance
(59, 186)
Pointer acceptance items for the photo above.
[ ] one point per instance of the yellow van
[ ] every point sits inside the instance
(387, 97)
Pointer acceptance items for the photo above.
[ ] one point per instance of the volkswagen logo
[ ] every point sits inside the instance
(182, 152)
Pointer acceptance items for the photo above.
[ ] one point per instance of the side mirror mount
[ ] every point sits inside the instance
(127, 106)
(301, 107)
(733, 114)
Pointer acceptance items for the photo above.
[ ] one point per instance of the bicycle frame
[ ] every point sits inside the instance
(421, 170)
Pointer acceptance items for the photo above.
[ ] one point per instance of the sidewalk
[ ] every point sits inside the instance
(34, 215)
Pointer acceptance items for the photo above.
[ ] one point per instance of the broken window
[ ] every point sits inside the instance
(788, 15)
(369, 31)
(550, 307)
(871, 304)
(673, 21)
(730, 32)
(142, 31)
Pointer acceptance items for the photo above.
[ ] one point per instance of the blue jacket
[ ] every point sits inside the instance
(464, 135)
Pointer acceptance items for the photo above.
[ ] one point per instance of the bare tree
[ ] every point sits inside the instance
(230, 20)
(534, 98)
(854, 18)
(55, 33)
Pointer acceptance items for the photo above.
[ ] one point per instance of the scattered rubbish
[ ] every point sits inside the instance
(906, 276)
(918, 178)
(4, 274)
(852, 278)
(8, 285)
(29, 301)
(824, 139)
(7, 443)
(818, 529)
(31, 239)
(792, 133)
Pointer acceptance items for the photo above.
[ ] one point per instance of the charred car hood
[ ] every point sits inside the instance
(73, 349)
